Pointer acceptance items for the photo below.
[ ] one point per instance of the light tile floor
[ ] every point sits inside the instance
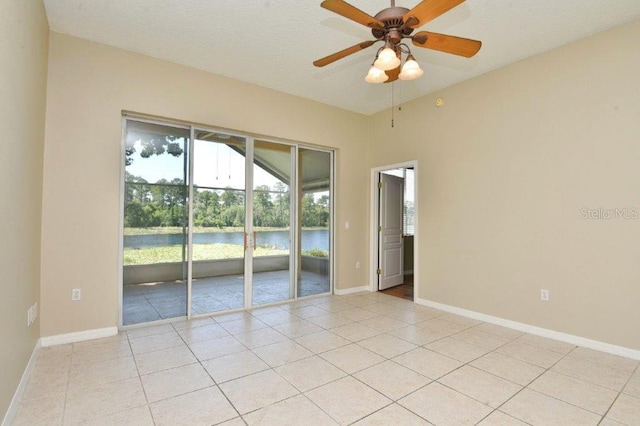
(156, 301)
(366, 359)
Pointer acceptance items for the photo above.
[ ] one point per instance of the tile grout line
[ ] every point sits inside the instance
(273, 369)
(346, 375)
(529, 384)
(268, 369)
(458, 368)
(144, 391)
(207, 371)
(66, 388)
(418, 346)
(291, 339)
(468, 364)
(619, 393)
(421, 387)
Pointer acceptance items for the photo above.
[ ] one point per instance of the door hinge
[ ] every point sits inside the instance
(379, 184)
(379, 228)
(379, 271)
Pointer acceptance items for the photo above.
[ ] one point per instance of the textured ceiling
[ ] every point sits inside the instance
(272, 43)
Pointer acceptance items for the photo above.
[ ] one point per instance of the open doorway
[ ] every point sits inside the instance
(394, 230)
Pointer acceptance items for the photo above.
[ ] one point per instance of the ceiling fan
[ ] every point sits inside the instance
(391, 26)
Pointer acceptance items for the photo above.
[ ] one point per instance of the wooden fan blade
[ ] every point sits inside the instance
(393, 74)
(351, 12)
(446, 43)
(341, 54)
(428, 10)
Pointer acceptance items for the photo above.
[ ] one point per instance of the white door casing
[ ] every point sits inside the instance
(390, 232)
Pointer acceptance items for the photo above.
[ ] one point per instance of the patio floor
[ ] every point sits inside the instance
(154, 301)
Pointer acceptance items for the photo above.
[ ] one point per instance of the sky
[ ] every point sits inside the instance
(215, 165)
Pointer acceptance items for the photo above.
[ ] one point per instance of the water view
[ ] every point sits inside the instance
(311, 239)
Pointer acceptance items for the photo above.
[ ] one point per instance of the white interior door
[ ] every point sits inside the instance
(390, 232)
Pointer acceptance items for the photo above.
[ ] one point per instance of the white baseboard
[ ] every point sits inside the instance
(351, 290)
(17, 396)
(61, 339)
(538, 331)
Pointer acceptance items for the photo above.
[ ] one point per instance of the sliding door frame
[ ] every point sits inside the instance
(123, 145)
(192, 145)
(294, 215)
(248, 223)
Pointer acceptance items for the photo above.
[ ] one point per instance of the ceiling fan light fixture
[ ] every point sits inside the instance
(410, 70)
(376, 75)
(387, 60)
(394, 25)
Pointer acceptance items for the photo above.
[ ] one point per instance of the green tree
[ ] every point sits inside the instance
(154, 144)
(230, 197)
(134, 216)
(308, 210)
(315, 214)
(263, 211)
(207, 209)
(136, 188)
(282, 203)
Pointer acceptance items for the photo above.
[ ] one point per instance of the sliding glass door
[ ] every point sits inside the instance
(155, 222)
(214, 222)
(314, 197)
(271, 233)
(219, 195)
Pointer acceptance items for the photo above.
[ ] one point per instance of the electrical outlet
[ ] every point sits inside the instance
(75, 294)
(544, 295)
(358, 265)
(32, 314)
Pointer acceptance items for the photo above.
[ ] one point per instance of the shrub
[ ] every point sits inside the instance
(316, 252)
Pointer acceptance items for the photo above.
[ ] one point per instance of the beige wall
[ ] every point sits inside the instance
(505, 168)
(23, 55)
(89, 85)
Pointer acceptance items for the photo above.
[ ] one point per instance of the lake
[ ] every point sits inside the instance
(311, 239)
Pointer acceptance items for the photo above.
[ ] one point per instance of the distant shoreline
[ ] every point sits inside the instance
(206, 229)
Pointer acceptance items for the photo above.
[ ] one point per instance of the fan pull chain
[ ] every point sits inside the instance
(393, 98)
(393, 86)
(217, 160)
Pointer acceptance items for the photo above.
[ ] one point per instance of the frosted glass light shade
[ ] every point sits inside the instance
(387, 60)
(410, 70)
(376, 75)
